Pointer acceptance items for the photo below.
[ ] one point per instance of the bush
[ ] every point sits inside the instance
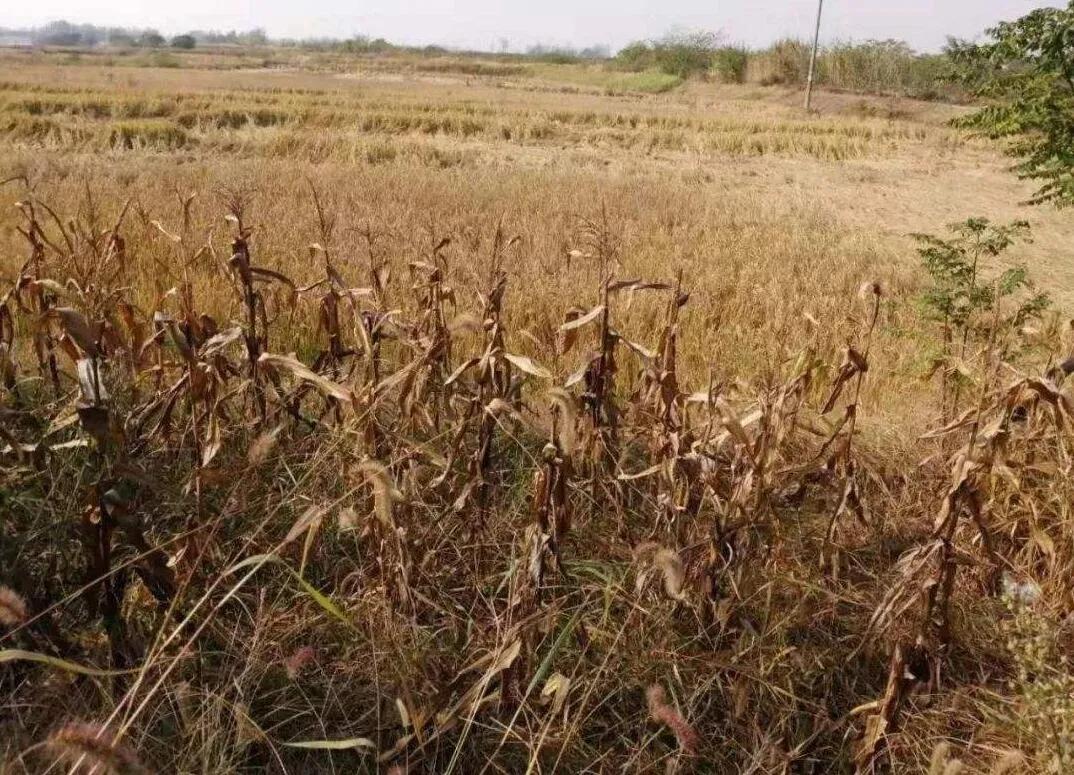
(966, 303)
(680, 54)
(184, 42)
(687, 53)
(362, 45)
(636, 57)
(1042, 683)
(729, 64)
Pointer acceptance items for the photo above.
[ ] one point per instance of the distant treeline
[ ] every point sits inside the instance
(361, 44)
(67, 34)
(63, 33)
(879, 66)
(884, 66)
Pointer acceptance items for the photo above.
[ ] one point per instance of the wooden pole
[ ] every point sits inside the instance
(813, 59)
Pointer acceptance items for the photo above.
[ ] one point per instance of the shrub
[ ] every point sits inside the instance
(1043, 713)
(729, 63)
(960, 291)
(681, 54)
(363, 45)
(970, 306)
(636, 56)
(687, 53)
(184, 42)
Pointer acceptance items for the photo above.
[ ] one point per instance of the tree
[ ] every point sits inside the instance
(969, 305)
(254, 37)
(1026, 71)
(184, 41)
(152, 39)
(60, 33)
(121, 38)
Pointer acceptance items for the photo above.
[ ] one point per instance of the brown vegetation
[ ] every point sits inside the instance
(320, 459)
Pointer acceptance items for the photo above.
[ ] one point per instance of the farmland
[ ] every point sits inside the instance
(452, 414)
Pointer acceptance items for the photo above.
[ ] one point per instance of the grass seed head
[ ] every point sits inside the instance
(92, 748)
(12, 607)
(662, 712)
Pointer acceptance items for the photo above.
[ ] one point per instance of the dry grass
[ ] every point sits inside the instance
(342, 506)
(337, 125)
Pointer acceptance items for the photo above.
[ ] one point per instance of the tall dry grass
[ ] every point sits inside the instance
(873, 67)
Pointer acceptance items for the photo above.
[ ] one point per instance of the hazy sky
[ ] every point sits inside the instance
(482, 23)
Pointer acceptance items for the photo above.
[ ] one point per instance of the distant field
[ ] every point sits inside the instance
(688, 173)
(772, 220)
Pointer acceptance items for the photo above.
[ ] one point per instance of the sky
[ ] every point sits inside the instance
(482, 24)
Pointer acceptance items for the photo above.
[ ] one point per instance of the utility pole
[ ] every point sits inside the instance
(813, 58)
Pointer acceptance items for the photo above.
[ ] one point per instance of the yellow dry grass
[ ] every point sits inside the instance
(764, 208)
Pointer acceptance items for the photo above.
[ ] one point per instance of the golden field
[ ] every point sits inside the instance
(354, 560)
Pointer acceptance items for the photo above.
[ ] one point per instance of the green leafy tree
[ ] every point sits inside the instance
(1026, 72)
(968, 304)
(184, 42)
